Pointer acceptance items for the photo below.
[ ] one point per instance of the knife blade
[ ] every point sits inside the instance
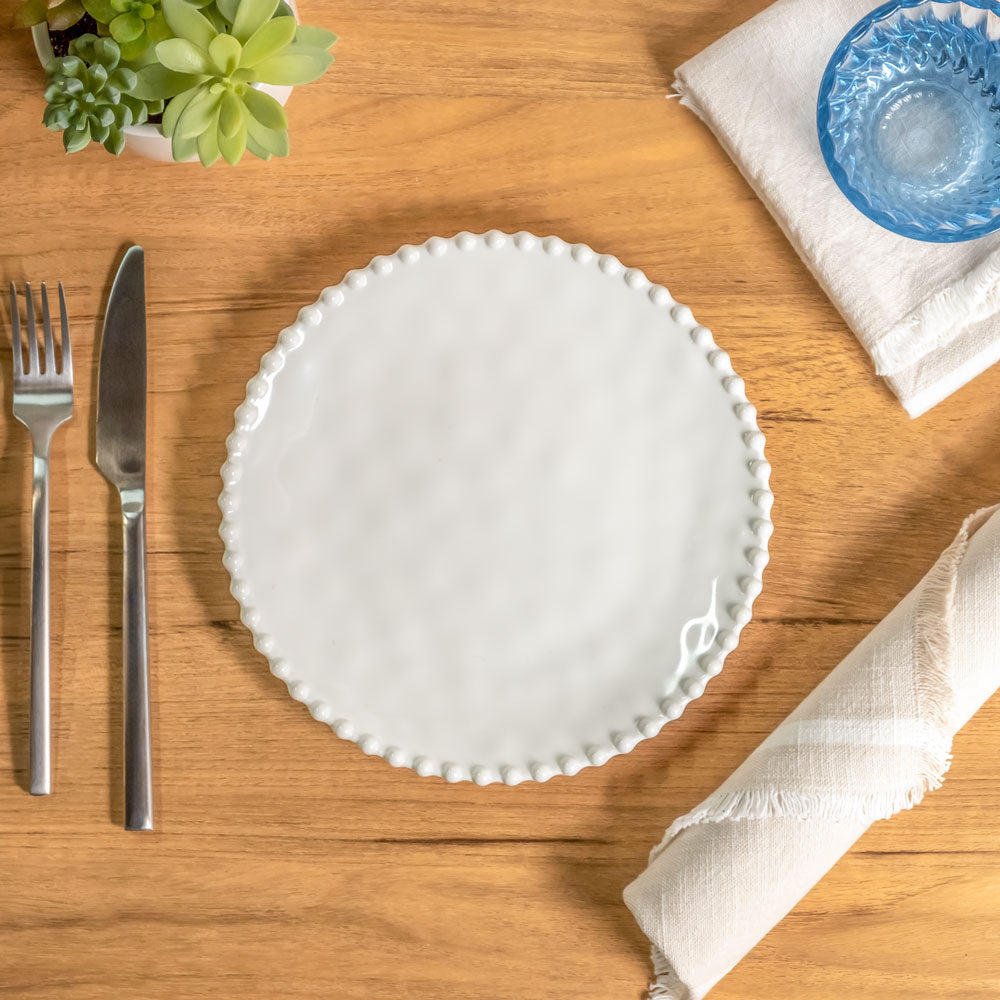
(121, 387)
(121, 457)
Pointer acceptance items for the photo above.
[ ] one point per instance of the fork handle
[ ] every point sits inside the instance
(41, 771)
(138, 756)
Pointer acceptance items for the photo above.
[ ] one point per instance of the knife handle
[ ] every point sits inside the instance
(138, 757)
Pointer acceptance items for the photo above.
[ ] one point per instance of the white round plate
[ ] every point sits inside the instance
(495, 507)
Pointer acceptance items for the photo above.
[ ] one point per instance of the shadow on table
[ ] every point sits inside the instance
(636, 809)
(114, 571)
(641, 806)
(232, 357)
(15, 499)
(252, 328)
(639, 802)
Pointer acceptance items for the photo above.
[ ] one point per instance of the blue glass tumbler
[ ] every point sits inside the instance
(909, 118)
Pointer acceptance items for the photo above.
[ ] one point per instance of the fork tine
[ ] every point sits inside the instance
(15, 333)
(67, 354)
(50, 347)
(31, 332)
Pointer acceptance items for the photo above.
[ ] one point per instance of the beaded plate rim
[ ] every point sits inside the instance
(693, 679)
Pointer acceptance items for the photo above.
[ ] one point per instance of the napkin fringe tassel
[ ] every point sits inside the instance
(940, 318)
(933, 677)
(665, 984)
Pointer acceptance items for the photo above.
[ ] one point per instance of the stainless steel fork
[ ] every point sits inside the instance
(43, 399)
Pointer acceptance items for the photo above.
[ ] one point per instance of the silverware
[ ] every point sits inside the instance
(43, 399)
(121, 457)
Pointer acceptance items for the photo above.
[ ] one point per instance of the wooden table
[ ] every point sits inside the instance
(288, 865)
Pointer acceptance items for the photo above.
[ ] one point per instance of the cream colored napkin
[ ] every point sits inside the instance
(926, 313)
(870, 740)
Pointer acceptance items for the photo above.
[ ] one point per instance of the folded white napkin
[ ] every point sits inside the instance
(926, 313)
(870, 740)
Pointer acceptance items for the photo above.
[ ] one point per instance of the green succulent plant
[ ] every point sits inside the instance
(133, 24)
(206, 74)
(59, 14)
(89, 95)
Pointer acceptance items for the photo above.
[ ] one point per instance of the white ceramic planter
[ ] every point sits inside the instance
(148, 140)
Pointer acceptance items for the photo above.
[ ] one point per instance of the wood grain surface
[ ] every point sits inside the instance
(288, 865)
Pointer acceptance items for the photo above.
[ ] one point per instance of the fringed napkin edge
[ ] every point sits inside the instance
(934, 686)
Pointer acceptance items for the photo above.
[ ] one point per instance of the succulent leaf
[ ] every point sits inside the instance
(257, 149)
(156, 82)
(183, 56)
(183, 148)
(231, 115)
(233, 146)
(173, 110)
(115, 141)
(140, 110)
(293, 68)
(77, 136)
(225, 52)
(56, 118)
(106, 52)
(217, 20)
(251, 15)
(157, 27)
(265, 109)
(267, 40)
(125, 79)
(59, 14)
(29, 13)
(196, 117)
(187, 22)
(126, 28)
(227, 8)
(275, 141)
(316, 38)
(208, 146)
(102, 11)
(64, 15)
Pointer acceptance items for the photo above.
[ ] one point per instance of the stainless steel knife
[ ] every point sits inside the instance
(121, 457)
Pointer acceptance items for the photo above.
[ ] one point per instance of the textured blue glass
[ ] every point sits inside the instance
(909, 119)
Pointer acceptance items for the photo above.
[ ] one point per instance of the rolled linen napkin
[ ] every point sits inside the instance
(870, 740)
(928, 314)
